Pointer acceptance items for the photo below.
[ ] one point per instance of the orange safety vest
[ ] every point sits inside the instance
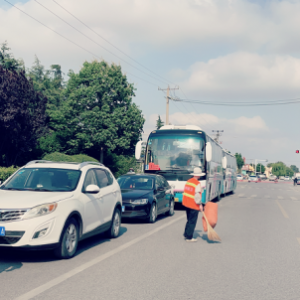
(188, 199)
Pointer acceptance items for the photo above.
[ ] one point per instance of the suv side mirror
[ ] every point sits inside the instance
(92, 189)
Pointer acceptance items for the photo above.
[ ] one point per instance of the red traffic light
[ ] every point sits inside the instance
(297, 151)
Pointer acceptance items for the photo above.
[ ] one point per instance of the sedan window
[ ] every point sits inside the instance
(138, 183)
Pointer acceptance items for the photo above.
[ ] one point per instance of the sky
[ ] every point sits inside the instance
(225, 50)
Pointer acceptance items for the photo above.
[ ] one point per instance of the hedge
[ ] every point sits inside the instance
(6, 172)
(56, 156)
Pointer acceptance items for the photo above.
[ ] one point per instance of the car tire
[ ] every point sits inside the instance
(171, 210)
(153, 213)
(68, 241)
(114, 230)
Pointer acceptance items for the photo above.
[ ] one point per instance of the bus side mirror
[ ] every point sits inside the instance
(224, 162)
(140, 146)
(208, 151)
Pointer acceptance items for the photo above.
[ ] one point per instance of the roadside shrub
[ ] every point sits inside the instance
(6, 172)
(56, 156)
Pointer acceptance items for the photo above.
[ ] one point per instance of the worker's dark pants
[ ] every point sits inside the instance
(192, 217)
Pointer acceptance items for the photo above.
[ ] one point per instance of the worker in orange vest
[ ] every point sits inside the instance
(192, 201)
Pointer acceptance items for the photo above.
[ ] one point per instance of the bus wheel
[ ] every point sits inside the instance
(219, 196)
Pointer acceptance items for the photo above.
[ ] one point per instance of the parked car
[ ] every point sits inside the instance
(286, 178)
(146, 196)
(51, 205)
(254, 178)
(272, 177)
(239, 177)
(281, 177)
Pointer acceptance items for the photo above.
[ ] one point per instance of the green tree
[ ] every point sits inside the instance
(239, 160)
(294, 168)
(260, 168)
(7, 60)
(159, 123)
(22, 117)
(98, 112)
(279, 169)
(49, 83)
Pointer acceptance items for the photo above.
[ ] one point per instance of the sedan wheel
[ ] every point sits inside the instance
(171, 210)
(153, 213)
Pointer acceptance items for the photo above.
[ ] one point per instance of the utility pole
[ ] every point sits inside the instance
(167, 108)
(217, 135)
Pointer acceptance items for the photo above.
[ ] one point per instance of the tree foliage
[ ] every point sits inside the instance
(22, 116)
(239, 160)
(98, 112)
(260, 168)
(280, 169)
(294, 168)
(7, 61)
(159, 123)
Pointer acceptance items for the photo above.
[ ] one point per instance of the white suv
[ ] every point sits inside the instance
(54, 205)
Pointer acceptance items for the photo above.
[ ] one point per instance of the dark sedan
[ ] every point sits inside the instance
(145, 196)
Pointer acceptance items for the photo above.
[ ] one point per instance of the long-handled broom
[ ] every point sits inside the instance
(211, 234)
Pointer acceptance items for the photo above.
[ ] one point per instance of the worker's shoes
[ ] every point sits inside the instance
(191, 240)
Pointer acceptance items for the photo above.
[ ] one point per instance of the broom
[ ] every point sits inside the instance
(211, 234)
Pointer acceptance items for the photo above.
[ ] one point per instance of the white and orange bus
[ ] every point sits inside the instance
(174, 152)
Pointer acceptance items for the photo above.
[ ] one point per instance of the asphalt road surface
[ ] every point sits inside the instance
(258, 258)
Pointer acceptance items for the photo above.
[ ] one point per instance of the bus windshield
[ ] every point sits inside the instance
(175, 152)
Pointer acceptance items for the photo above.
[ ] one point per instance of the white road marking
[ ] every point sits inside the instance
(298, 239)
(63, 277)
(279, 197)
(240, 195)
(282, 210)
(253, 196)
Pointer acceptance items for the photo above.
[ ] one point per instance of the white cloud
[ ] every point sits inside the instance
(241, 125)
(244, 75)
(135, 26)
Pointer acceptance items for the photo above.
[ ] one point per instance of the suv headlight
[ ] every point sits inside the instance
(40, 210)
(140, 202)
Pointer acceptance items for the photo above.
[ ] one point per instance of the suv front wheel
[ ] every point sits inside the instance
(68, 241)
(115, 225)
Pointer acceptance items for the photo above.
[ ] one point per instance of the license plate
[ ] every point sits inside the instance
(2, 231)
(123, 208)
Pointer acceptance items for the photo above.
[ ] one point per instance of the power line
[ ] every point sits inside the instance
(108, 41)
(95, 41)
(195, 108)
(93, 54)
(241, 103)
(189, 114)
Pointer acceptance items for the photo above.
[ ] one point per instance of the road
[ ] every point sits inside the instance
(258, 258)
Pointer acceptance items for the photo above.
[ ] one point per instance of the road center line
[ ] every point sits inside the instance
(282, 210)
(91, 263)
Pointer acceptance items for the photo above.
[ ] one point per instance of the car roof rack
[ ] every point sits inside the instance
(81, 165)
(38, 161)
(85, 163)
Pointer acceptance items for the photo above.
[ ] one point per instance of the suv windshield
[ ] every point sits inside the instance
(43, 179)
(137, 183)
